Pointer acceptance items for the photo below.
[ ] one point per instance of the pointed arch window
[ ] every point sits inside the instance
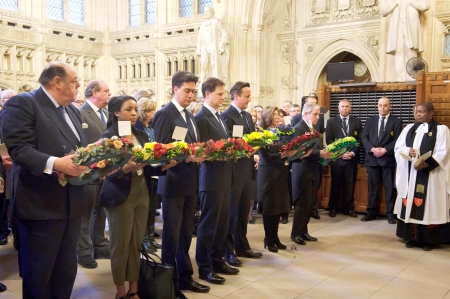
(9, 4)
(202, 4)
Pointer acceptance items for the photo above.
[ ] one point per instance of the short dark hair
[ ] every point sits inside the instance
(427, 105)
(211, 84)
(52, 70)
(295, 106)
(237, 88)
(114, 105)
(92, 85)
(183, 76)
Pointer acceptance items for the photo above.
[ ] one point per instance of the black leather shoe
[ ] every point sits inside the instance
(87, 261)
(298, 240)
(224, 268)
(392, 221)
(427, 247)
(179, 295)
(351, 213)
(4, 241)
(2, 287)
(411, 244)
(368, 218)
(194, 287)
(308, 237)
(212, 278)
(233, 260)
(284, 220)
(251, 221)
(156, 235)
(333, 212)
(100, 255)
(249, 253)
(315, 214)
(154, 243)
(149, 247)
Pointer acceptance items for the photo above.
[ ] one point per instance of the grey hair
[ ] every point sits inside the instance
(309, 107)
(5, 93)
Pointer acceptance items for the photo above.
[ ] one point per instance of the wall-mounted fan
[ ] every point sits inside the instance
(416, 64)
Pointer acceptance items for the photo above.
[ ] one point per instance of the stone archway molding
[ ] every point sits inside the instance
(5, 85)
(334, 47)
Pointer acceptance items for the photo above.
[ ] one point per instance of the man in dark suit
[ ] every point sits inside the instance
(305, 176)
(319, 127)
(343, 171)
(242, 179)
(92, 242)
(379, 137)
(48, 213)
(214, 189)
(179, 187)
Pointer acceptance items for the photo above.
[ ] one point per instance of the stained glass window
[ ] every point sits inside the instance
(135, 13)
(9, 4)
(185, 8)
(447, 44)
(55, 9)
(151, 11)
(202, 4)
(76, 11)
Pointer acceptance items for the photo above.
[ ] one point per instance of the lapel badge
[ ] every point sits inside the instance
(84, 125)
(430, 134)
(356, 133)
(392, 133)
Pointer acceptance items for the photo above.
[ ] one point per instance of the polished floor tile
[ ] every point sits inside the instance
(352, 259)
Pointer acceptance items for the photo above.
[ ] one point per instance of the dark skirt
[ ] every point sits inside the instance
(273, 192)
(431, 234)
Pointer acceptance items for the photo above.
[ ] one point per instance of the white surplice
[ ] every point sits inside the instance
(437, 202)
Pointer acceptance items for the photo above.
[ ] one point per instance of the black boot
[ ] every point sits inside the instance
(269, 240)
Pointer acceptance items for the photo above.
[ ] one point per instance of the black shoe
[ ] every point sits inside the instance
(351, 213)
(279, 244)
(298, 240)
(2, 287)
(157, 213)
(333, 212)
(284, 220)
(392, 221)
(270, 246)
(100, 255)
(149, 247)
(427, 247)
(315, 214)
(249, 253)
(212, 278)
(156, 235)
(224, 268)
(87, 261)
(194, 287)
(368, 218)
(308, 237)
(233, 260)
(252, 221)
(154, 243)
(411, 244)
(179, 295)
(4, 241)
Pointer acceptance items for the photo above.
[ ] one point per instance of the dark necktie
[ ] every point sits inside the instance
(221, 124)
(247, 127)
(381, 126)
(344, 125)
(62, 111)
(191, 129)
(102, 117)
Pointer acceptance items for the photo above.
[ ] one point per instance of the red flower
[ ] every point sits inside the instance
(220, 144)
(157, 147)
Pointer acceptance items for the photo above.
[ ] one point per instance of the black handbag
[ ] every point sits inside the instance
(155, 279)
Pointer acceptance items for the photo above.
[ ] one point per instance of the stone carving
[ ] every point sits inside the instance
(23, 52)
(269, 20)
(368, 8)
(374, 45)
(266, 92)
(25, 88)
(51, 56)
(286, 82)
(213, 48)
(4, 50)
(288, 17)
(445, 64)
(404, 30)
(287, 53)
(320, 11)
(343, 9)
(442, 5)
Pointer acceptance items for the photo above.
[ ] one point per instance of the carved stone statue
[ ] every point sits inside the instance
(213, 48)
(405, 36)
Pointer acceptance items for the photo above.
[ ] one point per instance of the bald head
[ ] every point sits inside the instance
(384, 106)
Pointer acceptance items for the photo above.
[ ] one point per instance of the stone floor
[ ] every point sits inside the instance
(352, 259)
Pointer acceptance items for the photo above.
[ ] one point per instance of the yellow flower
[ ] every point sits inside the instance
(255, 136)
(101, 164)
(149, 145)
(182, 144)
(118, 144)
(146, 156)
(267, 133)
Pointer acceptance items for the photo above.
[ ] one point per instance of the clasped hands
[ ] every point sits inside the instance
(378, 151)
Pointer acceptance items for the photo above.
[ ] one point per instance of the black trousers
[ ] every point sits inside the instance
(271, 224)
(239, 207)
(375, 174)
(342, 182)
(303, 206)
(178, 216)
(47, 257)
(212, 229)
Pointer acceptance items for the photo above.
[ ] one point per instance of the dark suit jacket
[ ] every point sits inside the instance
(181, 180)
(214, 176)
(319, 127)
(369, 138)
(118, 184)
(304, 170)
(243, 169)
(95, 126)
(34, 131)
(335, 131)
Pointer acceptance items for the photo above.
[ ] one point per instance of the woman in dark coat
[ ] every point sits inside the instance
(272, 182)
